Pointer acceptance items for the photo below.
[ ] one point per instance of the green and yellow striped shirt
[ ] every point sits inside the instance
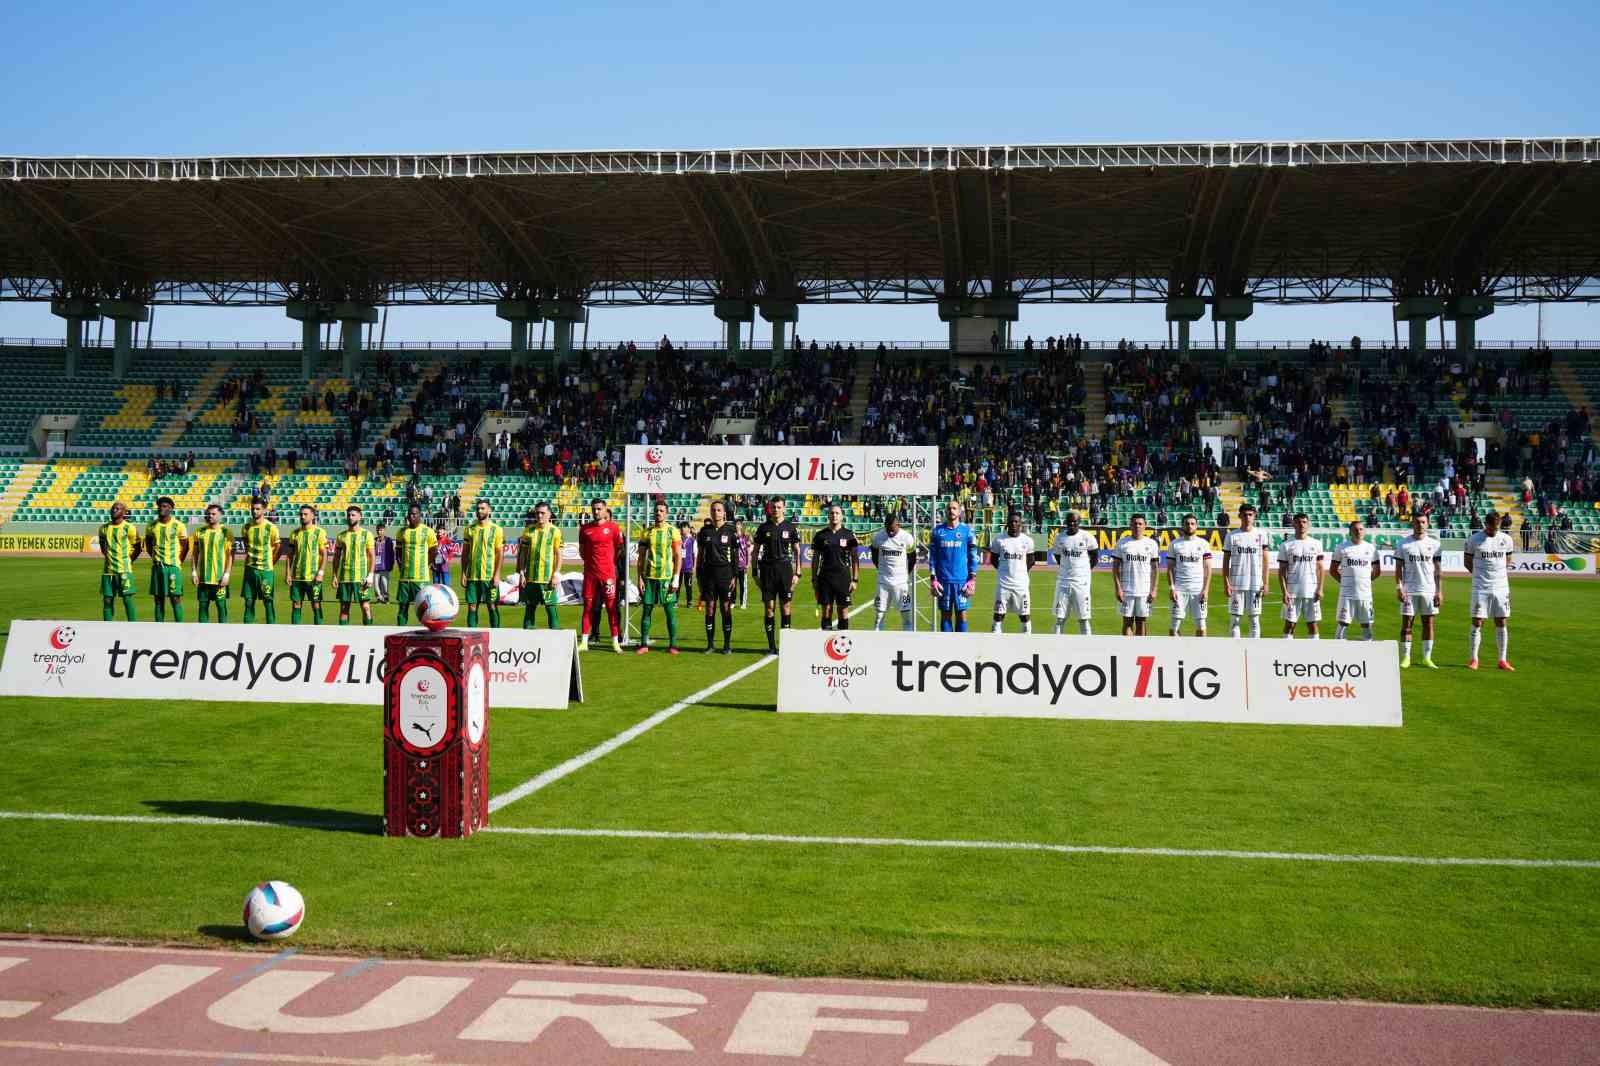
(310, 544)
(483, 542)
(413, 549)
(541, 554)
(210, 548)
(658, 542)
(260, 545)
(165, 541)
(355, 543)
(116, 540)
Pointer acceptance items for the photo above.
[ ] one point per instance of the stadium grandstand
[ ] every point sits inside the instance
(1374, 429)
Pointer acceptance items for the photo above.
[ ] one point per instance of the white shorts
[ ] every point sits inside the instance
(1302, 609)
(1073, 600)
(1135, 607)
(1417, 605)
(1352, 610)
(1245, 602)
(1012, 600)
(1190, 605)
(1491, 604)
(892, 597)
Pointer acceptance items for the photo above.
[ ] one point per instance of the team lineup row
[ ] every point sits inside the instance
(720, 561)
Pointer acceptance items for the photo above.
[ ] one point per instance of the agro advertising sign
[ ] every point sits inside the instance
(1540, 564)
(1172, 679)
(858, 471)
(297, 664)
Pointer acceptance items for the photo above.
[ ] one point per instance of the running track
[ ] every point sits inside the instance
(66, 1002)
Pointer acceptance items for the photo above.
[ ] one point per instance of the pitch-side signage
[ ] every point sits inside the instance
(1168, 679)
(846, 471)
(290, 664)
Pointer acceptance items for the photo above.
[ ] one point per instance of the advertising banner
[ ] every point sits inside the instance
(1539, 564)
(54, 543)
(847, 471)
(295, 664)
(1166, 679)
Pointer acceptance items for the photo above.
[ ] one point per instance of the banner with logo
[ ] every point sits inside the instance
(53, 543)
(1163, 679)
(1540, 564)
(292, 664)
(847, 471)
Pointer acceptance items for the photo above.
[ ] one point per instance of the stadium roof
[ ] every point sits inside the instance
(1284, 221)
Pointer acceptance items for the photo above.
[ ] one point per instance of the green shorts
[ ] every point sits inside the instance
(210, 593)
(353, 592)
(658, 592)
(405, 593)
(166, 581)
(301, 591)
(118, 584)
(536, 595)
(482, 592)
(258, 584)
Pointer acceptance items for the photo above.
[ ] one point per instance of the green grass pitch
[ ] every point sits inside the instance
(1487, 765)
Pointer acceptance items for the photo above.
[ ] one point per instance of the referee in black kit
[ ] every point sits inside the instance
(715, 555)
(835, 569)
(777, 566)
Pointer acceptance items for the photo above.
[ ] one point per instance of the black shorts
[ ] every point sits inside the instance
(834, 589)
(776, 582)
(717, 584)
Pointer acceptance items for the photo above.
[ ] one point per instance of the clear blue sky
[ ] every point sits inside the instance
(98, 78)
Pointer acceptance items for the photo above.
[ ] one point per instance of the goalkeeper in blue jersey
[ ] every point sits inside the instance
(954, 558)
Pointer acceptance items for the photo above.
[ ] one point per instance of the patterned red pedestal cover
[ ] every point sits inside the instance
(436, 733)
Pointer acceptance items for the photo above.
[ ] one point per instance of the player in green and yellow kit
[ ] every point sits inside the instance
(538, 557)
(660, 564)
(308, 546)
(482, 546)
(353, 558)
(211, 564)
(413, 553)
(166, 541)
(119, 544)
(260, 562)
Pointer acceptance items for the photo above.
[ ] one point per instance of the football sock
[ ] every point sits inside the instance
(1233, 626)
(1475, 640)
(1289, 635)
(644, 626)
(108, 607)
(788, 621)
(1367, 632)
(400, 615)
(344, 619)
(1339, 631)
(250, 612)
(1061, 623)
(1027, 625)
(996, 628)
(366, 618)
(669, 609)
(550, 619)
(711, 630)
(727, 630)
(1083, 626)
(844, 619)
(1427, 649)
(1316, 634)
(1405, 649)
(494, 618)
(1255, 626)
(1172, 632)
(177, 610)
(878, 621)
(961, 626)
(472, 615)
(772, 633)
(272, 612)
(129, 610)
(1502, 639)
(222, 611)
(160, 609)
(945, 625)
(294, 613)
(906, 621)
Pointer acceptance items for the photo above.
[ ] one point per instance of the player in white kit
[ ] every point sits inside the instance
(1136, 571)
(1244, 571)
(1417, 566)
(1077, 552)
(1487, 553)
(1189, 577)
(1012, 555)
(1300, 578)
(894, 554)
(1355, 564)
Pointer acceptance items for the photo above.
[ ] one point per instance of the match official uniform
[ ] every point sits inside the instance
(717, 550)
(833, 554)
(777, 547)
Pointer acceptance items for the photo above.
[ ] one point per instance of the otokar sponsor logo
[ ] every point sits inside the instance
(1037, 676)
(309, 664)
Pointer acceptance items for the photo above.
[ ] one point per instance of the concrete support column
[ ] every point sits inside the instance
(1416, 312)
(77, 311)
(734, 314)
(563, 314)
(352, 317)
(1465, 311)
(783, 314)
(123, 314)
(312, 316)
(1185, 310)
(994, 314)
(1230, 311)
(521, 314)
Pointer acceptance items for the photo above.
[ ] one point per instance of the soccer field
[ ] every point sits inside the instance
(926, 869)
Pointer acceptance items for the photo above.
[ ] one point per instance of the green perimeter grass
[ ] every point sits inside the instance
(1487, 764)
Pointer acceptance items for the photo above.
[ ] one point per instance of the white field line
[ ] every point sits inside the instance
(600, 751)
(858, 842)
